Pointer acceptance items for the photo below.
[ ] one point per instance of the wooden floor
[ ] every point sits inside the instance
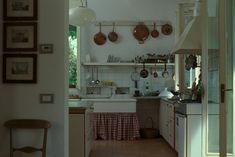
(139, 148)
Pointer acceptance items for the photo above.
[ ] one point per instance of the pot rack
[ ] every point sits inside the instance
(132, 23)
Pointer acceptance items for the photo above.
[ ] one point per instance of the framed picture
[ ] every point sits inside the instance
(20, 36)
(19, 68)
(20, 10)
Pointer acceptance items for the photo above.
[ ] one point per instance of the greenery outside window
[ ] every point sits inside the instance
(73, 56)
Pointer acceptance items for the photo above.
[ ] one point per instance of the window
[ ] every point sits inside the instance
(192, 75)
(73, 56)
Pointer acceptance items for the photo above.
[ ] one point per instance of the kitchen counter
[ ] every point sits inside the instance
(147, 97)
(111, 100)
(114, 98)
(172, 101)
(78, 103)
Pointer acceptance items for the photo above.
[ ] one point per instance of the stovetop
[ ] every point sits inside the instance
(188, 107)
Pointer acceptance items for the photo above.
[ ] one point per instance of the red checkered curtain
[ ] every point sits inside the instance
(116, 126)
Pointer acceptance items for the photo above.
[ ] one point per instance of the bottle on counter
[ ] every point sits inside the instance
(199, 88)
(194, 90)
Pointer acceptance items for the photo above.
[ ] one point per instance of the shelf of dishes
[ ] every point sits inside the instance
(125, 64)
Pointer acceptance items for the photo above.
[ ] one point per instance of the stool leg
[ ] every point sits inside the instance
(44, 143)
(11, 147)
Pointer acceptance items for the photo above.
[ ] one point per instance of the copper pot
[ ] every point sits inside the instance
(167, 29)
(99, 37)
(113, 36)
(141, 32)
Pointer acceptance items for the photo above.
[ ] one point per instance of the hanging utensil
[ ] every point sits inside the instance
(97, 78)
(155, 75)
(144, 73)
(135, 77)
(99, 37)
(165, 73)
(154, 32)
(92, 76)
(113, 36)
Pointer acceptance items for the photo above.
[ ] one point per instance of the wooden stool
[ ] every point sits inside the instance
(28, 124)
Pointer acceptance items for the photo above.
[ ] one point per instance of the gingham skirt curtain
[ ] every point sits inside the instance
(116, 126)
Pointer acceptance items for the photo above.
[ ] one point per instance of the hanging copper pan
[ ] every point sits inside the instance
(99, 37)
(113, 36)
(154, 32)
(167, 29)
(141, 32)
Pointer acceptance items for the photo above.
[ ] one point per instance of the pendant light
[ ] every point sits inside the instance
(81, 15)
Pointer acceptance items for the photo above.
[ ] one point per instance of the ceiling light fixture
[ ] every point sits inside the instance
(81, 15)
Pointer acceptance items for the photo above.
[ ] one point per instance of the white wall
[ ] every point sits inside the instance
(22, 100)
(127, 46)
(129, 10)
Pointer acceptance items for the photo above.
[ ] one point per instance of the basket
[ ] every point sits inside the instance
(149, 132)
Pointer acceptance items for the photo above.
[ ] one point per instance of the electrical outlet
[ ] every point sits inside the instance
(46, 98)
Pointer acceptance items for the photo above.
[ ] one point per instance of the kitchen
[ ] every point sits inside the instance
(117, 67)
(22, 100)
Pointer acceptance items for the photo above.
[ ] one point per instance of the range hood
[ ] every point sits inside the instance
(189, 42)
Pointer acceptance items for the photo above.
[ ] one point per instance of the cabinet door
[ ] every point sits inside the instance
(76, 135)
(171, 125)
(88, 132)
(162, 119)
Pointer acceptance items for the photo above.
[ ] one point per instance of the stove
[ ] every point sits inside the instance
(188, 108)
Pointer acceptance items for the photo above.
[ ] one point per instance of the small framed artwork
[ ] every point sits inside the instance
(20, 36)
(20, 10)
(19, 68)
(46, 48)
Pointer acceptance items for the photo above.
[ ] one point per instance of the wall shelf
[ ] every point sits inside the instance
(125, 64)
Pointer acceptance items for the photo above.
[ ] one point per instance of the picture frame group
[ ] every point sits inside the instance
(20, 38)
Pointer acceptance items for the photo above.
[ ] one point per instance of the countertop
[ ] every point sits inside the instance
(147, 97)
(79, 103)
(116, 99)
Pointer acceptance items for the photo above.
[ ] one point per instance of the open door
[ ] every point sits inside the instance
(218, 78)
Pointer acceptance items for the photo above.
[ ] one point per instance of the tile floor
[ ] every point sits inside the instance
(139, 148)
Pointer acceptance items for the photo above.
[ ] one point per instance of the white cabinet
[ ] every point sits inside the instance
(167, 121)
(80, 131)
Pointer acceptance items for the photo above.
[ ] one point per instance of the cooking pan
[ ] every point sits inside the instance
(99, 37)
(165, 73)
(113, 36)
(144, 73)
(167, 29)
(154, 32)
(155, 75)
(141, 32)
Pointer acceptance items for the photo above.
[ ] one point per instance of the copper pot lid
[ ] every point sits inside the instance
(167, 29)
(141, 32)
